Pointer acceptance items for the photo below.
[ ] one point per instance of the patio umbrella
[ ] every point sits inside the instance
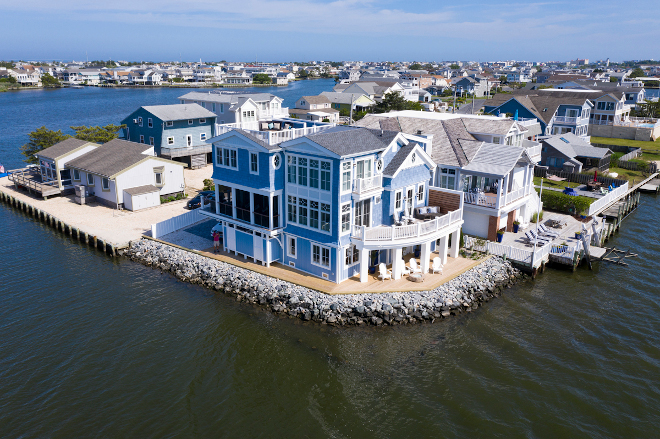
(595, 176)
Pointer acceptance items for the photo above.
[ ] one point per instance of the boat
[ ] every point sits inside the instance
(2, 171)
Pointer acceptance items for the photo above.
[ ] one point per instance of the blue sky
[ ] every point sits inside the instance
(303, 30)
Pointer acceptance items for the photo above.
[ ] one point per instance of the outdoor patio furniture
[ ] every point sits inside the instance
(404, 270)
(384, 273)
(428, 212)
(547, 232)
(531, 240)
(603, 191)
(437, 265)
(570, 191)
(539, 236)
(413, 266)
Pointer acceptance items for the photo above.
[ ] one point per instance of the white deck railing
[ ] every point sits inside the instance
(363, 185)
(533, 150)
(514, 253)
(565, 119)
(403, 233)
(273, 137)
(527, 122)
(480, 199)
(599, 204)
(514, 195)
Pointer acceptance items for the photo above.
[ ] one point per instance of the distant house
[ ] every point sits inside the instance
(570, 153)
(350, 75)
(126, 174)
(470, 85)
(344, 101)
(178, 132)
(247, 109)
(315, 108)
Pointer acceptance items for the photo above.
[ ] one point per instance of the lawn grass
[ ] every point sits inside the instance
(650, 147)
(555, 184)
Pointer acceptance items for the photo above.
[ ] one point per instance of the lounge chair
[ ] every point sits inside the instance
(384, 272)
(603, 191)
(437, 265)
(414, 267)
(547, 232)
(530, 239)
(540, 236)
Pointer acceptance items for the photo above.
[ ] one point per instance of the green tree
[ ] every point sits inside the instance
(454, 66)
(637, 73)
(416, 66)
(98, 134)
(503, 79)
(394, 101)
(261, 78)
(49, 81)
(614, 79)
(303, 74)
(40, 139)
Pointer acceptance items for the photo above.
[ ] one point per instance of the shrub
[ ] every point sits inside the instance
(537, 217)
(561, 202)
(209, 185)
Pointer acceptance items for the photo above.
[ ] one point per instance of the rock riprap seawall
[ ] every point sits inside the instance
(461, 294)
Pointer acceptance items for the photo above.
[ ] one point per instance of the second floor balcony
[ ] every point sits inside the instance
(281, 131)
(566, 120)
(365, 185)
(416, 233)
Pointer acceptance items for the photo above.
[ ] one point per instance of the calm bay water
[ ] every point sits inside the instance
(94, 347)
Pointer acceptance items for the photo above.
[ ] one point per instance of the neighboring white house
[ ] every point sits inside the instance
(52, 161)
(238, 107)
(121, 173)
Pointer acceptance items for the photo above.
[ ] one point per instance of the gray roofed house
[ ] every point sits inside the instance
(63, 148)
(571, 153)
(179, 112)
(346, 141)
(111, 158)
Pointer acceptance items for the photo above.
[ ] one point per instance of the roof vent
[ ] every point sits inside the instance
(419, 132)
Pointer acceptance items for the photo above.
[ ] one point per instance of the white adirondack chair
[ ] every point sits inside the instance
(414, 267)
(437, 265)
(384, 272)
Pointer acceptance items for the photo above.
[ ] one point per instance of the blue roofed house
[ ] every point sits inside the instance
(558, 112)
(330, 203)
(178, 132)
(570, 153)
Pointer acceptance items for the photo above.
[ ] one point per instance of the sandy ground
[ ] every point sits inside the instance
(195, 179)
(189, 239)
(110, 225)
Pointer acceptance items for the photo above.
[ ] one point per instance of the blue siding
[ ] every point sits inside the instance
(275, 250)
(244, 244)
(511, 107)
(410, 176)
(303, 260)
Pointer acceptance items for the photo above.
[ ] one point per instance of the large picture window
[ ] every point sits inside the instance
(226, 157)
(309, 172)
(308, 213)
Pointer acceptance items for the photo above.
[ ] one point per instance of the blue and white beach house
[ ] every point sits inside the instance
(333, 201)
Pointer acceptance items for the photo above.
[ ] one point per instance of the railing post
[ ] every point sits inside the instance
(419, 227)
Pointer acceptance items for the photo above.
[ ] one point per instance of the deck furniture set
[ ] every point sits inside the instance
(413, 270)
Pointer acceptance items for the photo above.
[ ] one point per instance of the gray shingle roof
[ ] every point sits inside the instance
(495, 159)
(342, 98)
(227, 96)
(398, 159)
(179, 111)
(345, 141)
(147, 189)
(573, 146)
(320, 99)
(64, 147)
(111, 158)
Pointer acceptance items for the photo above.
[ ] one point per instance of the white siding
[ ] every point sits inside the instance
(143, 174)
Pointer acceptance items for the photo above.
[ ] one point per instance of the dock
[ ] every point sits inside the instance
(31, 180)
(652, 187)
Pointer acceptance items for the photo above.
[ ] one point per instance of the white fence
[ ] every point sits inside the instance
(363, 185)
(631, 155)
(612, 196)
(274, 137)
(176, 223)
(510, 252)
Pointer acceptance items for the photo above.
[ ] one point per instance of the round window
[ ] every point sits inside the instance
(379, 165)
(277, 161)
(414, 156)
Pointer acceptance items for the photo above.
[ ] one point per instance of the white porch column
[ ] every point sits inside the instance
(217, 199)
(500, 183)
(455, 243)
(364, 265)
(442, 249)
(396, 263)
(425, 257)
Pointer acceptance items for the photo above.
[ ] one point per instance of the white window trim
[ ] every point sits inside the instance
(251, 171)
(73, 175)
(350, 177)
(273, 160)
(221, 164)
(139, 121)
(321, 247)
(202, 120)
(354, 262)
(141, 138)
(103, 187)
(169, 123)
(190, 121)
(302, 226)
(189, 142)
(288, 247)
(170, 140)
(400, 208)
(87, 179)
(150, 122)
(350, 218)
(308, 158)
(202, 136)
(420, 186)
(151, 140)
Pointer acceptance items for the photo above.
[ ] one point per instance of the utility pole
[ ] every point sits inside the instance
(350, 121)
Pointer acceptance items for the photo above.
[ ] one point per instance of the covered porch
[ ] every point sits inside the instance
(497, 189)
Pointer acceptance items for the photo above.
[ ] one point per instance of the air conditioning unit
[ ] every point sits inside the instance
(135, 121)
